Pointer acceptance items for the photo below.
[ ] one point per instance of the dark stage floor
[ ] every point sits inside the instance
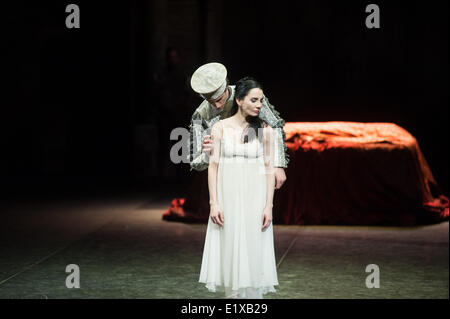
(125, 250)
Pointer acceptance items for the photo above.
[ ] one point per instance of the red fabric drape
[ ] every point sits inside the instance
(343, 173)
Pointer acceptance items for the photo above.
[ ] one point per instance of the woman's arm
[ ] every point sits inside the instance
(215, 211)
(269, 145)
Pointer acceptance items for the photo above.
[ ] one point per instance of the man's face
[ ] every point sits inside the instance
(219, 103)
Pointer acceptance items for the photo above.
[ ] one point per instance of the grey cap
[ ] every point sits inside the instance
(209, 80)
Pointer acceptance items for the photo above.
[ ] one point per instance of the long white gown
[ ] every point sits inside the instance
(238, 257)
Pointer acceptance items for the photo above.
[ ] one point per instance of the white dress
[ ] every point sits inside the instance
(239, 258)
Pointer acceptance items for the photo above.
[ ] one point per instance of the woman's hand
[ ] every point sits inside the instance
(266, 217)
(216, 215)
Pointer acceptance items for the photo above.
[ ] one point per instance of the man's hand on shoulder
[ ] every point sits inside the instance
(207, 145)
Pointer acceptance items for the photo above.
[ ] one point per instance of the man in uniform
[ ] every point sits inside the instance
(210, 82)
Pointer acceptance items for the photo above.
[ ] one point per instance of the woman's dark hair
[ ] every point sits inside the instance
(243, 86)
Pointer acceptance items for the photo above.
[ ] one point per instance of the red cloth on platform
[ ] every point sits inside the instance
(346, 173)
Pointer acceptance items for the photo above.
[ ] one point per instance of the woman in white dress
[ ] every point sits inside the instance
(238, 256)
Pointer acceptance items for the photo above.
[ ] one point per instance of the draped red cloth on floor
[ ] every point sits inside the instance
(343, 173)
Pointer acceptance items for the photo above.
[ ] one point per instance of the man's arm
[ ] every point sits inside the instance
(273, 118)
(197, 159)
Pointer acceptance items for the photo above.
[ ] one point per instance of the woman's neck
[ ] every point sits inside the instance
(240, 119)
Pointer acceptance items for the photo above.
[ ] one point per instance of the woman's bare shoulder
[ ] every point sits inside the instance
(225, 121)
(266, 127)
(216, 129)
(267, 131)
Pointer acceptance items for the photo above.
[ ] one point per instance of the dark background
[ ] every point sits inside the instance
(82, 110)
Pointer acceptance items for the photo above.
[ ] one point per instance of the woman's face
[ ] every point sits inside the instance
(252, 102)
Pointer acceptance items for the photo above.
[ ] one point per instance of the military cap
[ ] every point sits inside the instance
(210, 80)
